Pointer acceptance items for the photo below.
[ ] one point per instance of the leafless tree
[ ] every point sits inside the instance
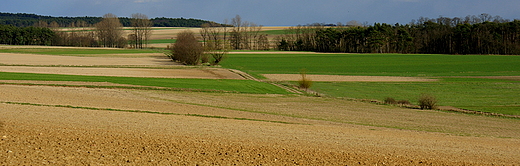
(236, 32)
(141, 30)
(109, 32)
(41, 23)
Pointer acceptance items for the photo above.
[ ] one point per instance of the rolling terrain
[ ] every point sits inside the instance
(131, 108)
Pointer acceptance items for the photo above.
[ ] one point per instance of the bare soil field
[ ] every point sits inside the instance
(203, 73)
(46, 124)
(33, 59)
(32, 63)
(44, 133)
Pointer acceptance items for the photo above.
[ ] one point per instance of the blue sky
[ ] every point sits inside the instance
(272, 12)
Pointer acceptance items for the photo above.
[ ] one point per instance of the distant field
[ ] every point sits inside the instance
(75, 51)
(480, 94)
(162, 41)
(376, 64)
(488, 95)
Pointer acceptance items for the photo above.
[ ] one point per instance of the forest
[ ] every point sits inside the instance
(27, 20)
(25, 36)
(483, 34)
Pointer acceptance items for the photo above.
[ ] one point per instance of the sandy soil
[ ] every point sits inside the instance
(53, 135)
(296, 77)
(33, 59)
(117, 64)
(203, 73)
(50, 125)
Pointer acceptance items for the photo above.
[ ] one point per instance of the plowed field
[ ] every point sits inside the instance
(55, 125)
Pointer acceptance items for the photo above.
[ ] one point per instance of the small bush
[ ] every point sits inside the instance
(304, 83)
(204, 58)
(390, 100)
(427, 101)
(404, 102)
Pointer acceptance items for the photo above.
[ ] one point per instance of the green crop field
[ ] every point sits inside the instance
(480, 94)
(162, 41)
(238, 86)
(376, 64)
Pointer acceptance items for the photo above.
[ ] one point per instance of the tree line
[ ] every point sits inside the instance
(27, 20)
(25, 36)
(241, 35)
(217, 40)
(107, 33)
(482, 34)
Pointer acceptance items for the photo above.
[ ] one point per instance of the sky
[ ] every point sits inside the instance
(272, 12)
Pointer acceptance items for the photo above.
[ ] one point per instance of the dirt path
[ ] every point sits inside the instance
(43, 133)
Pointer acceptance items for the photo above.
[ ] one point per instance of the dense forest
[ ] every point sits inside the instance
(25, 36)
(483, 34)
(27, 20)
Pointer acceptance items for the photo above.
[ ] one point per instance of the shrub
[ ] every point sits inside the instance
(404, 102)
(304, 83)
(187, 49)
(427, 101)
(390, 100)
(204, 58)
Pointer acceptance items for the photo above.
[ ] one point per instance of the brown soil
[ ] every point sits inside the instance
(323, 133)
(33, 59)
(296, 77)
(203, 73)
(51, 125)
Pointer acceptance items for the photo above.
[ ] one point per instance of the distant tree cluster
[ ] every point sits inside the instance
(217, 39)
(25, 36)
(180, 22)
(482, 34)
(26, 20)
(107, 33)
(242, 35)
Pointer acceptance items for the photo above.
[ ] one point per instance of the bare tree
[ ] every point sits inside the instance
(141, 30)
(204, 33)
(236, 32)
(54, 25)
(109, 31)
(41, 23)
(211, 34)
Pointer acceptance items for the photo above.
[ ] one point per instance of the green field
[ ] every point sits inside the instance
(235, 86)
(162, 41)
(480, 94)
(456, 86)
(377, 64)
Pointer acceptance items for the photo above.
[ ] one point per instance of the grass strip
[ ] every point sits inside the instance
(224, 85)
(141, 111)
(119, 87)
